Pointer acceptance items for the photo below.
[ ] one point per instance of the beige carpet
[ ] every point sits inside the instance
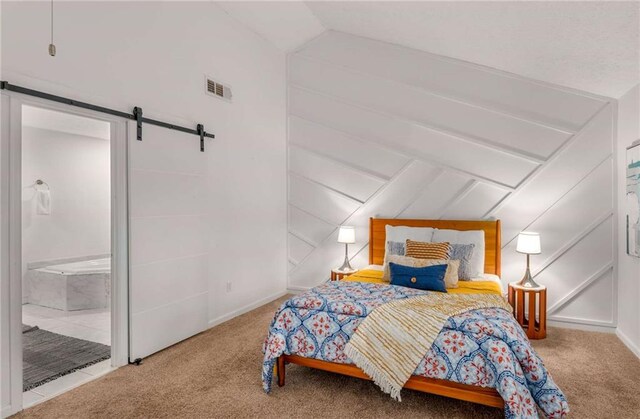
(217, 374)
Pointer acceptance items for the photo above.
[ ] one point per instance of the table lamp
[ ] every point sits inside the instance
(346, 235)
(529, 244)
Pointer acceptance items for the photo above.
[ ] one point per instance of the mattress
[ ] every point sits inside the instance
(487, 284)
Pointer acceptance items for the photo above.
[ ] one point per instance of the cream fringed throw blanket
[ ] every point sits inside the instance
(390, 343)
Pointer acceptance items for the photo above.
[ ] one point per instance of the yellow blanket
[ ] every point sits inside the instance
(392, 340)
(464, 287)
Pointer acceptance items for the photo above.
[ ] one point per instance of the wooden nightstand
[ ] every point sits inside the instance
(530, 301)
(337, 274)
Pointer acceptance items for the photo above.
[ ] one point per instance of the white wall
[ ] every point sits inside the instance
(155, 55)
(381, 130)
(628, 266)
(77, 170)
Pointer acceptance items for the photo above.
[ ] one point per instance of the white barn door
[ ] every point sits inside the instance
(168, 239)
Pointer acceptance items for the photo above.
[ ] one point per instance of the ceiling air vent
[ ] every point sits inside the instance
(217, 89)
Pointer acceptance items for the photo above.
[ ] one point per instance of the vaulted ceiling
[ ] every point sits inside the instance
(591, 46)
(287, 25)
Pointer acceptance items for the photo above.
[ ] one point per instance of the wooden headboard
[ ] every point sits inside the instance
(377, 237)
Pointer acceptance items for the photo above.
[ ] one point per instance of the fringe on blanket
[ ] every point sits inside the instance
(374, 373)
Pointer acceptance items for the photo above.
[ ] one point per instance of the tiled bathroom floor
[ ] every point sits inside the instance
(64, 383)
(92, 325)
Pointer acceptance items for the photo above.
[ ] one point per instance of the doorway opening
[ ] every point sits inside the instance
(66, 251)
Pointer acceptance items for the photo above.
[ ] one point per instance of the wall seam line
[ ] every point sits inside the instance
(580, 288)
(574, 241)
(445, 96)
(343, 194)
(466, 138)
(572, 140)
(406, 155)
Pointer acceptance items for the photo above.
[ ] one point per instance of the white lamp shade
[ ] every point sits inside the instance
(529, 243)
(347, 234)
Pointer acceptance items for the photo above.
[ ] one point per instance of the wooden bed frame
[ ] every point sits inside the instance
(377, 243)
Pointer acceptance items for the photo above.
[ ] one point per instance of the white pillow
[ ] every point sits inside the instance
(402, 233)
(475, 237)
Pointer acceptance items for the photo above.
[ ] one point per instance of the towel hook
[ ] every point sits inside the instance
(40, 182)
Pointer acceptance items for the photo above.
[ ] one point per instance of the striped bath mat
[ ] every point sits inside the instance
(48, 355)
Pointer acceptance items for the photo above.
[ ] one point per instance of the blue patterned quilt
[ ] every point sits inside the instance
(480, 347)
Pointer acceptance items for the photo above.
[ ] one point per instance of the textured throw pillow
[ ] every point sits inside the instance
(464, 254)
(423, 250)
(465, 237)
(450, 278)
(430, 278)
(395, 248)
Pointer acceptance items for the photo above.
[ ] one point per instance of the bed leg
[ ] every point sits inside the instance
(281, 372)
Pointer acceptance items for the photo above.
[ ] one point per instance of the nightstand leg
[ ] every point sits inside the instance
(531, 321)
(543, 315)
(520, 306)
(512, 299)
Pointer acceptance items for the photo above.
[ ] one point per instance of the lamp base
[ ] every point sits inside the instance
(527, 280)
(346, 266)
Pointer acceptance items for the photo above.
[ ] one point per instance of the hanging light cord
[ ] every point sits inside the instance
(52, 47)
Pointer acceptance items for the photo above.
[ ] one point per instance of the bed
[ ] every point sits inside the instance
(289, 343)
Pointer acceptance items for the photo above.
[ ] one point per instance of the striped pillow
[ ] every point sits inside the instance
(422, 250)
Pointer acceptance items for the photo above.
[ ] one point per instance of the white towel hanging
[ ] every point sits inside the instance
(43, 202)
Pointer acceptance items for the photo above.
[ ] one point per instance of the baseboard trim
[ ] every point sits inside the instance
(297, 290)
(247, 308)
(588, 322)
(582, 326)
(67, 389)
(628, 343)
(7, 411)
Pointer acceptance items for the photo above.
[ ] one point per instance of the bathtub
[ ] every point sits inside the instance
(95, 266)
(71, 285)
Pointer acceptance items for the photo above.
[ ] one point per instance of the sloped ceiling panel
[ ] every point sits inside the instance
(377, 130)
(590, 45)
(285, 24)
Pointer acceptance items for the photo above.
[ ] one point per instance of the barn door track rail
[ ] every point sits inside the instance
(136, 115)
